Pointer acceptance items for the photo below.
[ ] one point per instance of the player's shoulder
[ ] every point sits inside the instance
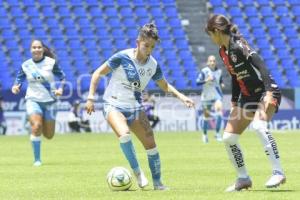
(241, 46)
(153, 61)
(205, 69)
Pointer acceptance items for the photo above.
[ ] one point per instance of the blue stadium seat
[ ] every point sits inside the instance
(232, 3)
(111, 12)
(32, 11)
(271, 64)
(121, 44)
(220, 10)
(235, 11)
(131, 33)
(259, 33)
(290, 32)
(114, 23)
(182, 44)
(95, 11)
(126, 12)
(281, 10)
(263, 43)
(296, 10)
(267, 54)
(171, 11)
(118, 33)
(124, 3)
(251, 11)
(217, 3)
(174, 22)
(266, 11)
(275, 32)
(36, 22)
(287, 21)
(254, 22)
(270, 22)
(129, 22)
(178, 34)
(156, 12)
(240, 22)
(47, 11)
(63, 11)
(16, 11)
(79, 11)
(83, 22)
(3, 12)
(141, 12)
(7, 34)
(279, 2)
(279, 43)
(283, 54)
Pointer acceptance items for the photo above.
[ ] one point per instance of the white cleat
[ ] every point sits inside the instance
(276, 179)
(141, 179)
(160, 187)
(240, 184)
(204, 139)
(219, 137)
(37, 163)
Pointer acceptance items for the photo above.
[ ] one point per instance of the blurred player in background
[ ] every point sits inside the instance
(77, 123)
(41, 93)
(255, 98)
(131, 71)
(210, 78)
(149, 105)
(3, 126)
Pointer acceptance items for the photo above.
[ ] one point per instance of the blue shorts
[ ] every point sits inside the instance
(130, 114)
(47, 110)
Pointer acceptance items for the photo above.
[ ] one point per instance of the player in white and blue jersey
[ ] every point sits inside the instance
(131, 70)
(210, 78)
(41, 93)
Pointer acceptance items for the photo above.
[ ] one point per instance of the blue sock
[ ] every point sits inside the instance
(219, 123)
(129, 152)
(36, 147)
(205, 126)
(154, 164)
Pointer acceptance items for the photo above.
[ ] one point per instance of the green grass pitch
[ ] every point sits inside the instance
(75, 167)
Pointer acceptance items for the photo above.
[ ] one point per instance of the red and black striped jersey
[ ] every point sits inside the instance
(249, 74)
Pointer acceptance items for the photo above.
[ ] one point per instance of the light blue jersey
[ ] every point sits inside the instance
(211, 90)
(41, 79)
(129, 79)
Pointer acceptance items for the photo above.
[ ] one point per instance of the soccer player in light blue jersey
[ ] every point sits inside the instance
(41, 93)
(210, 78)
(131, 71)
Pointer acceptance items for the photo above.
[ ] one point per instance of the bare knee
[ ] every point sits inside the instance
(36, 127)
(48, 134)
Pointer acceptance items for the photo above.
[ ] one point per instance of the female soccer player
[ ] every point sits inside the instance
(40, 94)
(255, 98)
(131, 71)
(210, 78)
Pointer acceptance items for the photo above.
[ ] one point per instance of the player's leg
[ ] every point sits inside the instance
(118, 123)
(34, 112)
(218, 107)
(260, 125)
(238, 120)
(206, 116)
(142, 129)
(49, 116)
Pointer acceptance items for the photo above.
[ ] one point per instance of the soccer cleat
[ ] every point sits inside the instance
(276, 179)
(218, 137)
(160, 187)
(204, 139)
(141, 179)
(37, 163)
(241, 183)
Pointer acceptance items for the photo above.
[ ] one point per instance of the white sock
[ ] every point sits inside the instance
(235, 153)
(268, 142)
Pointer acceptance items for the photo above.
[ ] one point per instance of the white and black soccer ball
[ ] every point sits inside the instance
(119, 179)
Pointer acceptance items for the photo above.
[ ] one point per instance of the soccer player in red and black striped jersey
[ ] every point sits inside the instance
(255, 98)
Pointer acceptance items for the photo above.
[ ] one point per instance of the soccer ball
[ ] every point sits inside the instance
(119, 179)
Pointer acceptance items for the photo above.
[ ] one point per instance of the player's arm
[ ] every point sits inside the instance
(62, 78)
(21, 76)
(235, 90)
(166, 87)
(100, 72)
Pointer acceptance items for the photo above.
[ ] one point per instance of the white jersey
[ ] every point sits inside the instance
(211, 90)
(40, 77)
(129, 79)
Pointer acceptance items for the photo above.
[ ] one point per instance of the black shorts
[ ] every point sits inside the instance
(251, 102)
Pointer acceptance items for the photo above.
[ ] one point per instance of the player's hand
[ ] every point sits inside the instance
(89, 106)
(209, 78)
(269, 100)
(58, 92)
(16, 89)
(187, 101)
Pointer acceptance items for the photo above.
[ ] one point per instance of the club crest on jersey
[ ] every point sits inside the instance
(233, 58)
(142, 72)
(149, 72)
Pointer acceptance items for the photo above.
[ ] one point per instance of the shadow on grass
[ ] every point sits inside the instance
(274, 190)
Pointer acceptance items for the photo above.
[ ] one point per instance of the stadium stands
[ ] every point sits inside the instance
(85, 33)
(272, 27)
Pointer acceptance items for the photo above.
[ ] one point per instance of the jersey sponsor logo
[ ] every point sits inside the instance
(142, 72)
(233, 58)
(149, 72)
